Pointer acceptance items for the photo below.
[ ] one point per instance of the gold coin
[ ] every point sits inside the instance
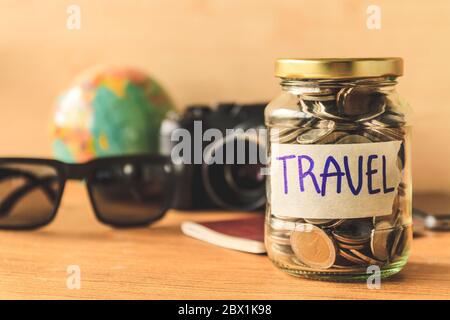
(313, 247)
(365, 258)
(350, 257)
(397, 234)
(405, 240)
(379, 243)
(351, 246)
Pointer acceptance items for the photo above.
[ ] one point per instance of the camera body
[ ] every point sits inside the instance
(217, 166)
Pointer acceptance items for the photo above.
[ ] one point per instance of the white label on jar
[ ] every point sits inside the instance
(334, 181)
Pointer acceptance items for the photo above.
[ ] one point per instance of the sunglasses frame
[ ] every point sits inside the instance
(85, 172)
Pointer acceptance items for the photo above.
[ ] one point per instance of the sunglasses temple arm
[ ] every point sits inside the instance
(18, 194)
(8, 173)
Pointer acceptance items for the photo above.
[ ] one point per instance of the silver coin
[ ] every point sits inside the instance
(324, 223)
(354, 231)
(287, 117)
(376, 135)
(284, 250)
(282, 225)
(286, 135)
(332, 137)
(320, 96)
(313, 135)
(318, 221)
(353, 138)
(325, 110)
(386, 134)
(360, 104)
(282, 240)
(279, 134)
(393, 119)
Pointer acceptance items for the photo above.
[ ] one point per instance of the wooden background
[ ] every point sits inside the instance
(214, 50)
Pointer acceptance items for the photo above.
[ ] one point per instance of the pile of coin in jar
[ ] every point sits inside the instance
(346, 112)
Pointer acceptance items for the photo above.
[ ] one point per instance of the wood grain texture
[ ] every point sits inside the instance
(159, 262)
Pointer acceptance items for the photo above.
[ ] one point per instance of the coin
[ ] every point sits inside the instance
(288, 135)
(284, 250)
(346, 254)
(351, 246)
(276, 133)
(332, 137)
(336, 268)
(324, 223)
(386, 134)
(394, 240)
(350, 240)
(318, 221)
(282, 225)
(353, 138)
(296, 261)
(287, 117)
(325, 95)
(360, 103)
(366, 258)
(322, 108)
(401, 189)
(313, 135)
(313, 247)
(380, 240)
(325, 110)
(392, 119)
(405, 240)
(279, 239)
(354, 231)
(391, 218)
(372, 136)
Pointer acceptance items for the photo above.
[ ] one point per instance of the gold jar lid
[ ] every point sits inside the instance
(338, 68)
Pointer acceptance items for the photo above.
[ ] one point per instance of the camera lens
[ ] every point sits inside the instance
(237, 182)
(245, 176)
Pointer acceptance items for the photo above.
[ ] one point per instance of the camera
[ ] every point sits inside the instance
(218, 156)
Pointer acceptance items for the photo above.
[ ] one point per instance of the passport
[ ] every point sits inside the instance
(246, 234)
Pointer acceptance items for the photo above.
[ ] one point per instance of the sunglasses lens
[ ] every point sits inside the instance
(130, 193)
(29, 194)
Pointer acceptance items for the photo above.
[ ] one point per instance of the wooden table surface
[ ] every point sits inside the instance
(159, 262)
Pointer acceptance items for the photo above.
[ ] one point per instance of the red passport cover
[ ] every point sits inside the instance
(245, 234)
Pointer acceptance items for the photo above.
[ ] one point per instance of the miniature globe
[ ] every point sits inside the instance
(113, 112)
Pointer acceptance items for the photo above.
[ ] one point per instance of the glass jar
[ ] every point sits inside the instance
(339, 183)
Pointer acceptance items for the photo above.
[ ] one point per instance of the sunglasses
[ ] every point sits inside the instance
(128, 191)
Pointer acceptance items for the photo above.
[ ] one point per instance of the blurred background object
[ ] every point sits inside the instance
(433, 209)
(112, 112)
(215, 50)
